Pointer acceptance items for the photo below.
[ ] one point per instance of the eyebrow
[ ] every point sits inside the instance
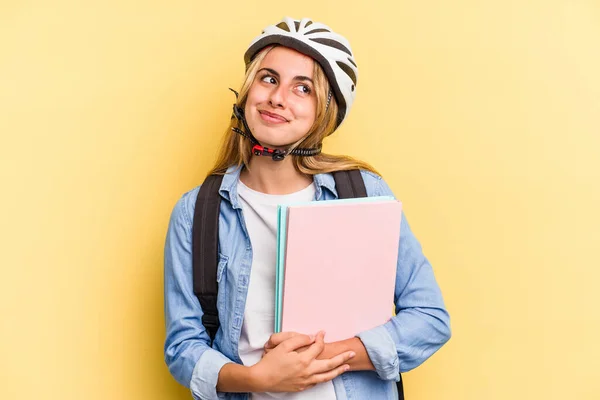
(296, 78)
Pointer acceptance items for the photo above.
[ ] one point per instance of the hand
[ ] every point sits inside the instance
(284, 369)
(359, 363)
(277, 338)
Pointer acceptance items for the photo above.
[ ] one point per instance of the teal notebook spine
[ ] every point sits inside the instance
(279, 271)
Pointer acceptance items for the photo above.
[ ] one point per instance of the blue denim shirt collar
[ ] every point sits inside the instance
(228, 189)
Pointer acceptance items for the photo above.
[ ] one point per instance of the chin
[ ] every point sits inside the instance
(272, 139)
(272, 144)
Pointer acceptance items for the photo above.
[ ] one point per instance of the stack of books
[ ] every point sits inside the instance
(336, 265)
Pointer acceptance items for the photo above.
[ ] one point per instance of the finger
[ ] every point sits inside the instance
(321, 366)
(276, 338)
(302, 349)
(266, 351)
(330, 375)
(296, 342)
(304, 387)
(316, 348)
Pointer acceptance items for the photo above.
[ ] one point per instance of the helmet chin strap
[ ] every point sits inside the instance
(258, 150)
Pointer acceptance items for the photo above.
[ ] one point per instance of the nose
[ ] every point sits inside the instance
(277, 98)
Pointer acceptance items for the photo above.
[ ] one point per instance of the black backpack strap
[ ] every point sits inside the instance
(205, 251)
(400, 388)
(349, 184)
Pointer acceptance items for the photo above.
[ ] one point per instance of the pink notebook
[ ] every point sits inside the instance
(340, 267)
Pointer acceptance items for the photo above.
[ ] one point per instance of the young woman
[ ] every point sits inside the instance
(299, 86)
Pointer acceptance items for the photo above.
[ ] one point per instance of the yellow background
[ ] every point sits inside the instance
(484, 117)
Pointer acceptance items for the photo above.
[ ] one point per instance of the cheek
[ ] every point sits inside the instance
(308, 111)
(256, 95)
(251, 101)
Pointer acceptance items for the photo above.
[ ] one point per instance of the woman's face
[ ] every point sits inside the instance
(281, 104)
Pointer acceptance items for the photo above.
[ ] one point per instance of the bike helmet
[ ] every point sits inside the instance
(331, 50)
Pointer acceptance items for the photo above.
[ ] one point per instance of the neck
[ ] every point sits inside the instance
(274, 177)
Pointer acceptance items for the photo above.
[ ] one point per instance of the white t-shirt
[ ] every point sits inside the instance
(260, 214)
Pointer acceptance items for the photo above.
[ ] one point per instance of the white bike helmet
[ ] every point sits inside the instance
(331, 50)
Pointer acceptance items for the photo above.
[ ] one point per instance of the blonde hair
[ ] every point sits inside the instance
(237, 150)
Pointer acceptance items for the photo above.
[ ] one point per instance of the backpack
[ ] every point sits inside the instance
(205, 243)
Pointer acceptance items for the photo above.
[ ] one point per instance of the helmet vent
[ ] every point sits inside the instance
(317, 31)
(349, 71)
(332, 43)
(284, 26)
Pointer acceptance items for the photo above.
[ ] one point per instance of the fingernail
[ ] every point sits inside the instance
(352, 354)
(346, 368)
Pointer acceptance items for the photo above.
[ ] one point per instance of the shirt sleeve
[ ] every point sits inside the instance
(206, 374)
(191, 360)
(421, 325)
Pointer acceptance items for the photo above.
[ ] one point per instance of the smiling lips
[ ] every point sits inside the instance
(271, 117)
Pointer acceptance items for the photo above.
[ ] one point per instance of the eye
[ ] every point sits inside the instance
(304, 89)
(269, 79)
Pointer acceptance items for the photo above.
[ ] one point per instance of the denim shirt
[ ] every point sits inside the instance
(419, 328)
